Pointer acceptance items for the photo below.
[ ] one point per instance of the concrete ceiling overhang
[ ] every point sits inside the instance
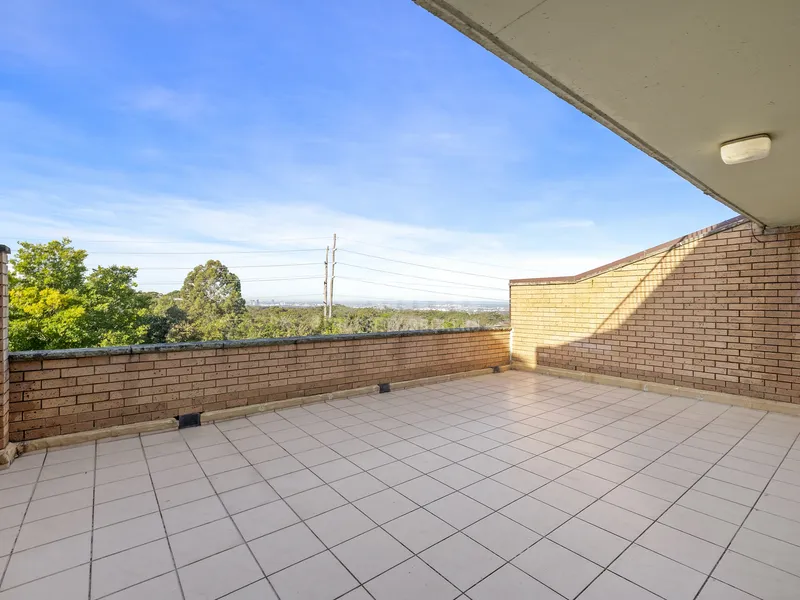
(674, 78)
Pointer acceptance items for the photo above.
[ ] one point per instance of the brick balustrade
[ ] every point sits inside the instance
(66, 391)
(716, 310)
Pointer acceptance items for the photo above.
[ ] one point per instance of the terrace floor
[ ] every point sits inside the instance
(506, 486)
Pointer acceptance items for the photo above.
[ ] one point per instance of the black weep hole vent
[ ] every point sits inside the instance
(188, 420)
(495, 369)
(384, 387)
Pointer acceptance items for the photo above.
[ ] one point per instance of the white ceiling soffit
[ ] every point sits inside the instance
(675, 78)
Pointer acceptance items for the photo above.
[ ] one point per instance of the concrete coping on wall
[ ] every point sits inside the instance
(29, 355)
(633, 258)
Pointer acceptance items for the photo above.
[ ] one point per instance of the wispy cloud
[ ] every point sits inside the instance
(167, 102)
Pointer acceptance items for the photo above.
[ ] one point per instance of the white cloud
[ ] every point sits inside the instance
(167, 102)
(165, 236)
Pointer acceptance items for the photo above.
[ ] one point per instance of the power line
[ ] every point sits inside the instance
(233, 278)
(316, 264)
(209, 252)
(470, 262)
(130, 241)
(423, 266)
(485, 287)
(402, 287)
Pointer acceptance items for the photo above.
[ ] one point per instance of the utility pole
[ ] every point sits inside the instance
(325, 287)
(333, 270)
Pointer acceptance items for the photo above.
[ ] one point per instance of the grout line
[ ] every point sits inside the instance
(460, 402)
(739, 528)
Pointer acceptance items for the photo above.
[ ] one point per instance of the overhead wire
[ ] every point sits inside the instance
(418, 289)
(209, 252)
(471, 262)
(421, 265)
(486, 287)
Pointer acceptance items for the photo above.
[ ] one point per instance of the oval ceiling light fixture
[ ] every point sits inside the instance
(746, 149)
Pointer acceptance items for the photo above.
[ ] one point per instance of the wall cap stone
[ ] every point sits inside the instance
(29, 355)
(5, 249)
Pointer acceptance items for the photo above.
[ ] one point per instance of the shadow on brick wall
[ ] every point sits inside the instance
(716, 310)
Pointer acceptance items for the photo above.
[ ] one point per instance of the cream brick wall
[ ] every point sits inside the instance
(90, 389)
(716, 312)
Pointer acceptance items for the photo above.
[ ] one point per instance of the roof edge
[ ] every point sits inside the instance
(700, 233)
(444, 10)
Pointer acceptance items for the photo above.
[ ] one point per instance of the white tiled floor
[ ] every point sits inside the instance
(504, 486)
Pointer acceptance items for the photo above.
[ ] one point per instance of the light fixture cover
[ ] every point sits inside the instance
(745, 149)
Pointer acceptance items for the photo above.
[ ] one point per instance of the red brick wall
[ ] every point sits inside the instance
(67, 391)
(718, 310)
(4, 376)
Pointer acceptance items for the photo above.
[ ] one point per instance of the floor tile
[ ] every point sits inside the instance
(264, 519)
(768, 550)
(461, 560)
(394, 473)
(340, 524)
(370, 554)
(358, 486)
(52, 529)
(458, 510)
(565, 498)
(127, 534)
(510, 583)
(260, 590)
(638, 502)
(716, 590)
(502, 536)
(598, 545)
(658, 574)
(201, 542)
(247, 497)
(294, 483)
(617, 520)
(535, 515)
(335, 470)
(681, 547)
(192, 514)
(456, 476)
(123, 488)
(385, 506)
(286, 547)
(423, 490)
(756, 578)
(219, 574)
(163, 587)
(611, 586)
(315, 501)
(411, 579)
(491, 493)
(320, 577)
(697, 524)
(565, 572)
(231, 480)
(122, 570)
(72, 584)
(419, 529)
(42, 561)
(189, 491)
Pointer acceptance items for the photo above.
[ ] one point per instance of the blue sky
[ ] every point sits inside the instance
(203, 127)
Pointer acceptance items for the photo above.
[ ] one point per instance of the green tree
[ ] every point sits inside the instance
(211, 296)
(117, 313)
(53, 304)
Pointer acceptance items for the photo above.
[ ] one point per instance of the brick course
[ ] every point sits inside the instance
(62, 392)
(717, 310)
